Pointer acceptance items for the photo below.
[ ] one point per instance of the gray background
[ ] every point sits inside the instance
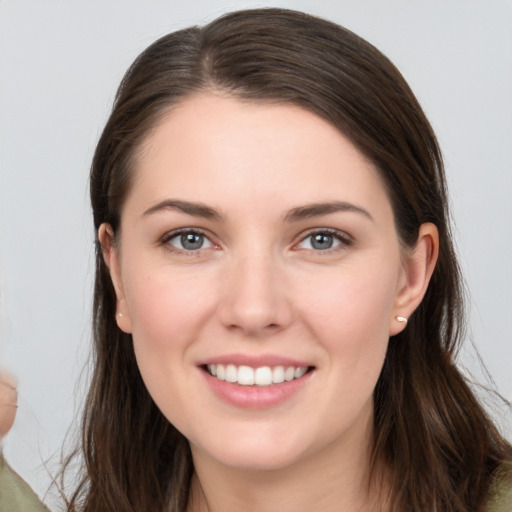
(60, 63)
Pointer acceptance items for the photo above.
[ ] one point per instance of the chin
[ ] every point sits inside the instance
(254, 451)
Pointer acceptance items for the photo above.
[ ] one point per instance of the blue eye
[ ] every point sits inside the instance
(323, 241)
(189, 241)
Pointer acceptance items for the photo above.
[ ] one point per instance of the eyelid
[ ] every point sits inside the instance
(167, 237)
(344, 239)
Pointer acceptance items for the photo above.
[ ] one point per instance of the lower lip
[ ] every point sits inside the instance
(256, 397)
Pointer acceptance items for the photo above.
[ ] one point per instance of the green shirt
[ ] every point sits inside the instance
(17, 496)
(500, 493)
(15, 493)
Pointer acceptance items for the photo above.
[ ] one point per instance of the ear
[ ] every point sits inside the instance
(418, 267)
(111, 257)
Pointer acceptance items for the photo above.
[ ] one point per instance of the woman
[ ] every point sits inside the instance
(277, 300)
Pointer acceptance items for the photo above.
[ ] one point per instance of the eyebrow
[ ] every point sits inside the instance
(295, 214)
(195, 209)
(316, 209)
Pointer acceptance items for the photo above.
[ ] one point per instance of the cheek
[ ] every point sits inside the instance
(165, 307)
(167, 314)
(358, 301)
(349, 315)
(165, 321)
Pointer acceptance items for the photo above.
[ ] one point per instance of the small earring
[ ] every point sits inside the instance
(402, 319)
(120, 315)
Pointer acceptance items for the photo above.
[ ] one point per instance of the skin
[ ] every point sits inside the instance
(258, 287)
(8, 402)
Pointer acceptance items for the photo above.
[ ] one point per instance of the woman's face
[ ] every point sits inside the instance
(258, 244)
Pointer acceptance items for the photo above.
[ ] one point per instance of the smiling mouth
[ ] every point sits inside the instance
(261, 376)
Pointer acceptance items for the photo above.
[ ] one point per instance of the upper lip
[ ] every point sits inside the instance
(255, 361)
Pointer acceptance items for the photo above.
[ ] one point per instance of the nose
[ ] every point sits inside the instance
(254, 297)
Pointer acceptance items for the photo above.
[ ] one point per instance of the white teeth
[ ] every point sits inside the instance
(245, 376)
(231, 373)
(278, 375)
(299, 372)
(289, 373)
(261, 376)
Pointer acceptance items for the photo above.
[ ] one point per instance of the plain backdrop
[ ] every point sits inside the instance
(60, 63)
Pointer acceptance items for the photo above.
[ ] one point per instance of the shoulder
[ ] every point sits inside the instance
(15, 493)
(500, 492)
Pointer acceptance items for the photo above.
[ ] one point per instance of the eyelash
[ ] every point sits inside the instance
(166, 239)
(343, 240)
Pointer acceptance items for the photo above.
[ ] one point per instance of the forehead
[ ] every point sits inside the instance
(213, 148)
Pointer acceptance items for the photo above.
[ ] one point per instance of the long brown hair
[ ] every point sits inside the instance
(429, 429)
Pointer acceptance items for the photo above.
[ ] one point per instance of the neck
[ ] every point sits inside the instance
(336, 478)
